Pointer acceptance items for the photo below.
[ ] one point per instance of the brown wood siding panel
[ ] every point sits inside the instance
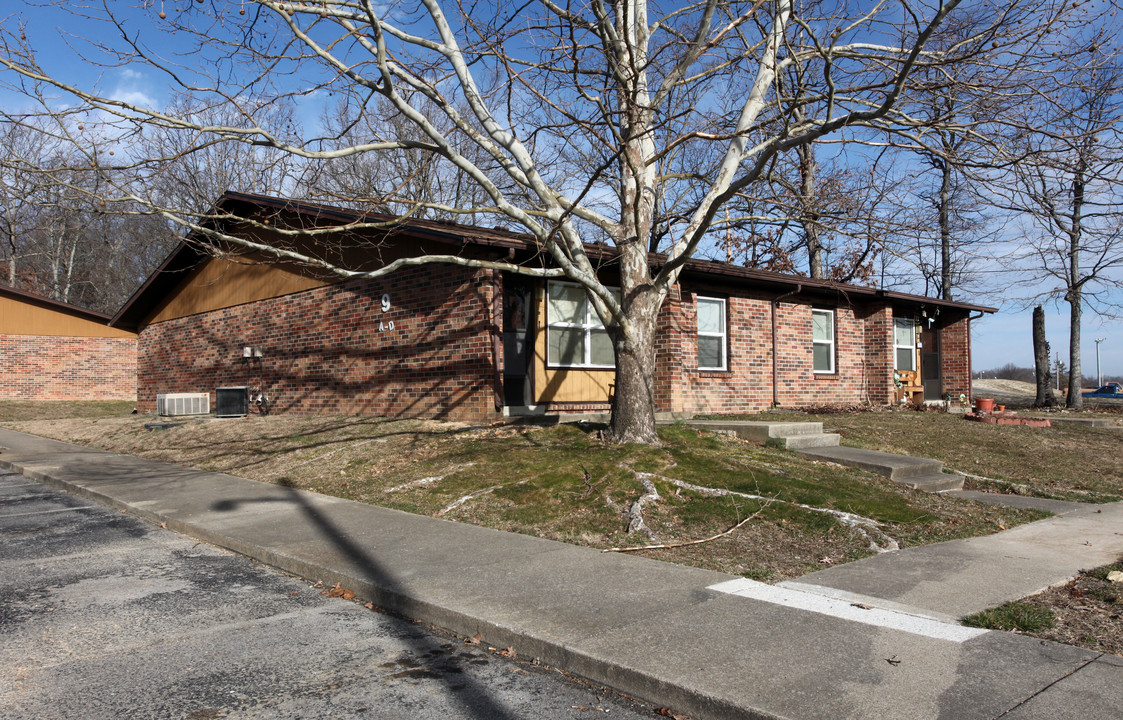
(18, 317)
(564, 385)
(222, 283)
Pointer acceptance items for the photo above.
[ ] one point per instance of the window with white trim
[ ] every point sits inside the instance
(822, 340)
(575, 336)
(904, 344)
(711, 334)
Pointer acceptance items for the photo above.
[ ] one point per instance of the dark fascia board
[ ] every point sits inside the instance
(709, 269)
(44, 301)
(162, 281)
(188, 254)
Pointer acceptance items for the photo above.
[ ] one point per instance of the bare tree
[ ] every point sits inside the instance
(1042, 376)
(1067, 186)
(409, 180)
(189, 170)
(58, 238)
(621, 122)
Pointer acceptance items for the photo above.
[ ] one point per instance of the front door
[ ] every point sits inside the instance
(930, 361)
(518, 303)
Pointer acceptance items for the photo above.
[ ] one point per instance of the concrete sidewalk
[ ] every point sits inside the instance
(702, 643)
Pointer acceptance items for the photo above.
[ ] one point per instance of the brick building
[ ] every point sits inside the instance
(50, 350)
(457, 342)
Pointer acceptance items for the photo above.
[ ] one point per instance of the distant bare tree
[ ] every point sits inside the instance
(1068, 186)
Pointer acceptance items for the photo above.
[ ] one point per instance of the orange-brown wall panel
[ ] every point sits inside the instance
(221, 283)
(564, 385)
(20, 317)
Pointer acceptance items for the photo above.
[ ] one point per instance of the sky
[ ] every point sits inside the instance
(998, 339)
(1007, 337)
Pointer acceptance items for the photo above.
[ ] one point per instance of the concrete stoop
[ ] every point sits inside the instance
(791, 435)
(918, 473)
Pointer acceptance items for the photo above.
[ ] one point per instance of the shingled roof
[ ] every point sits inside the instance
(499, 242)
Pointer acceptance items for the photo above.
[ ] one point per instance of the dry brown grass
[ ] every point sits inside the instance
(562, 483)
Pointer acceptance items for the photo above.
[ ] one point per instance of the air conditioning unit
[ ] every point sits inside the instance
(183, 404)
(232, 401)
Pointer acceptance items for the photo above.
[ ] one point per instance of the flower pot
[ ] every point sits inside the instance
(984, 405)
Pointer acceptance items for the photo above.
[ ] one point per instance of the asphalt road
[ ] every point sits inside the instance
(105, 616)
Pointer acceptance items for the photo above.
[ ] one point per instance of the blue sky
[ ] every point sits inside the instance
(1006, 337)
(997, 339)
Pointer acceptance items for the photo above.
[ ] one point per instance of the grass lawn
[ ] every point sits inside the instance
(1064, 462)
(21, 410)
(564, 483)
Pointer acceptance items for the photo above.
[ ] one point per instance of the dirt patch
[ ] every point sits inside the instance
(1087, 612)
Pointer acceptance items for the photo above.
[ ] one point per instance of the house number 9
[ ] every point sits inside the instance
(384, 326)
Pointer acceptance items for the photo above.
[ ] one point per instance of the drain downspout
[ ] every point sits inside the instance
(775, 374)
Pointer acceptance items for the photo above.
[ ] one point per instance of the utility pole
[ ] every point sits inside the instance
(1099, 375)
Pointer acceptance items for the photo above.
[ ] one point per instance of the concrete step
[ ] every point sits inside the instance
(760, 432)
(941, 482)
(801, 442)
(901, 468)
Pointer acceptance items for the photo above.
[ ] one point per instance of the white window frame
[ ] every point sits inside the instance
(912, 335)
(831, 344)
(723, 335)
(591, 322)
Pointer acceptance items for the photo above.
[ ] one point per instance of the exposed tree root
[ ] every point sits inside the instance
(473, 495)
(635, 512)
(668, 546)
(420, 482)
(869, 528)
(415, 483)
(1022, 488)
(339, 449)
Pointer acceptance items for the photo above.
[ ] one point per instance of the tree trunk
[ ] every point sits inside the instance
(809, 217)
(1075, 375)
(633, 404)
(945, 230)
(1074, 293)
(1045, 396)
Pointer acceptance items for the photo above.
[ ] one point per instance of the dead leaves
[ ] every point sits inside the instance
(336, 591)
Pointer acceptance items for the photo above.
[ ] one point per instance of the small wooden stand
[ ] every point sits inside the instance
(909, 389)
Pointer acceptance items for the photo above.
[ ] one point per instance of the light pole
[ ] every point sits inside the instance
(1099, 375)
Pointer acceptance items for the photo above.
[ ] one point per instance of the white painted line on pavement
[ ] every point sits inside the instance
(855, 612)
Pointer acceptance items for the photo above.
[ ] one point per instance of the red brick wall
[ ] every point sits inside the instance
(863, 357)
(955, 370)
(880, 356)
(50, 367)
(324, 351)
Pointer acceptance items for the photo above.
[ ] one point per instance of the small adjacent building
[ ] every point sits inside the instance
(51, 350)
(446, 341)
